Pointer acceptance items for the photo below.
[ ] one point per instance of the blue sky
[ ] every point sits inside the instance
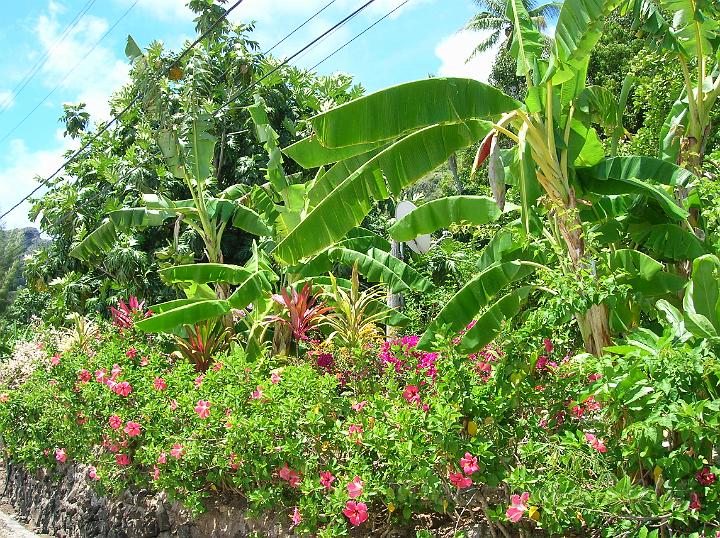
(420, 39)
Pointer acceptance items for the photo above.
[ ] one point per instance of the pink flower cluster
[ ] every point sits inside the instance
(401, 355)
(290, 476)
(355, 511)
(469, 465)
(518, 506)
(484, 361)
(122, 388)
(125, 315)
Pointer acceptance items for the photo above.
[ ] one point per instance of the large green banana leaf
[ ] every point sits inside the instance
(667, 241)
(379, 266)
(578, 29)
(442, 212)
(338, 173)
(248, 220)
(203, 273)
(186, 314)
(639, 168)
(123, 220)
(491, 322)
(255, 286)
(527, 43)
(202, 148)
(700, 303)
(401, 109)
(634, 262)
(310, 153)
(476, 294)
(389, 172)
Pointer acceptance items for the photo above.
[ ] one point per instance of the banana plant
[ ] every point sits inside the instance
(690, 38)
(382, 143)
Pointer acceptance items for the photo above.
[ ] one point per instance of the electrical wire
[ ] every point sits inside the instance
(107, 125)
(20, 86)
(276, 45)
(67, 75)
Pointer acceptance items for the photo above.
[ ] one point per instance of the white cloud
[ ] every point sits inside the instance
(90, 77)
(7, 99)
(455, 49)
(163, 9)
(18, 177)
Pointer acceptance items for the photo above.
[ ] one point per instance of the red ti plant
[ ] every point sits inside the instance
(203, 342)
(304, 312)
(125, 315)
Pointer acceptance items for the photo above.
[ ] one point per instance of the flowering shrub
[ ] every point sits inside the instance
(534, 439)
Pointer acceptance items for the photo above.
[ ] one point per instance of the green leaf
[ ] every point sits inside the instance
(379, 266)
(132, 51)
(254, 287)
(635, 263)
(202, 273)
(389, 172)
(476, 294)
(310, 153)
(123, 220)
(188, 314)
(442, 212)
(639, 168)
(667, 241)
(491, 322)
(202, 148)
(248, 220)
(527, 43)
(703, 292)
(338, 173)
(398, 110)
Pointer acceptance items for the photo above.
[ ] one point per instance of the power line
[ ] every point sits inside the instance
(373, 25)
(67, 75)
(295, 55)
(106, 126)
(229, 101)
(20, 86)
(276, 45)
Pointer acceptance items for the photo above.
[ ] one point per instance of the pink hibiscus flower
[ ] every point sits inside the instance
(155, 473)
(173, 405)
(695, 505)
(596, 443)
(131, 353)
(355, 488)
(162, 458)
(123, 388)
(115, 422)
(92, 473)
(198, 380)
(61, 455)
(469, 463)
(159, 383)
(122, 459)
(257, 394)
(326, 479)
(359, 405)
(356, 512)
(132, 429)
(275, 379)
(177, 451)
(518, 506)
(202, 408)
(460, 481)
(84, 375)
(412, 394)
(296, 517)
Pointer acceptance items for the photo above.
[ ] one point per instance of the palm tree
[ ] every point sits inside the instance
(493, 17)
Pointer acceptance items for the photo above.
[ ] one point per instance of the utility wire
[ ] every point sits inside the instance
(293, 56)
(20, 86)
(67, 75)
(229, 101)
(107, 125)
(373, 25)
(276, 45)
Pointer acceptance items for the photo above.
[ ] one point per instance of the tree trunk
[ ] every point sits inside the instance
(595, 323)
(394, 300)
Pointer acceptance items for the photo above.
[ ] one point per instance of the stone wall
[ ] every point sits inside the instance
(65, 505)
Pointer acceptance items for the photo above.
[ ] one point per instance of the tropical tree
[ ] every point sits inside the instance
(493, 19)
(11, 249)
(386, 141)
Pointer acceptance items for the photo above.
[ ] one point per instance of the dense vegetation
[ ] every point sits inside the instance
(548, 365)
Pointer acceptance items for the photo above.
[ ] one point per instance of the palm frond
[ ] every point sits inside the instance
(549, 10)
(486, 44)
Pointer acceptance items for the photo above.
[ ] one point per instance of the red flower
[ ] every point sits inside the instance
(290, 476)
(412, 394)
(202, 408)
(355, 488)
(596, 443)
(84, 375)
(115, 422)
(123, 388)
(131, 353)
(326, 479)
(122, 459)
(705, 477)
(55, 360)
(177, 451)
(548, 346)
(132, 429)
(356, 512)
(60, 455)
(518, 506)
(469, 463)
(695, 502)
(159, 383)
(359, 406)
(460, 481)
